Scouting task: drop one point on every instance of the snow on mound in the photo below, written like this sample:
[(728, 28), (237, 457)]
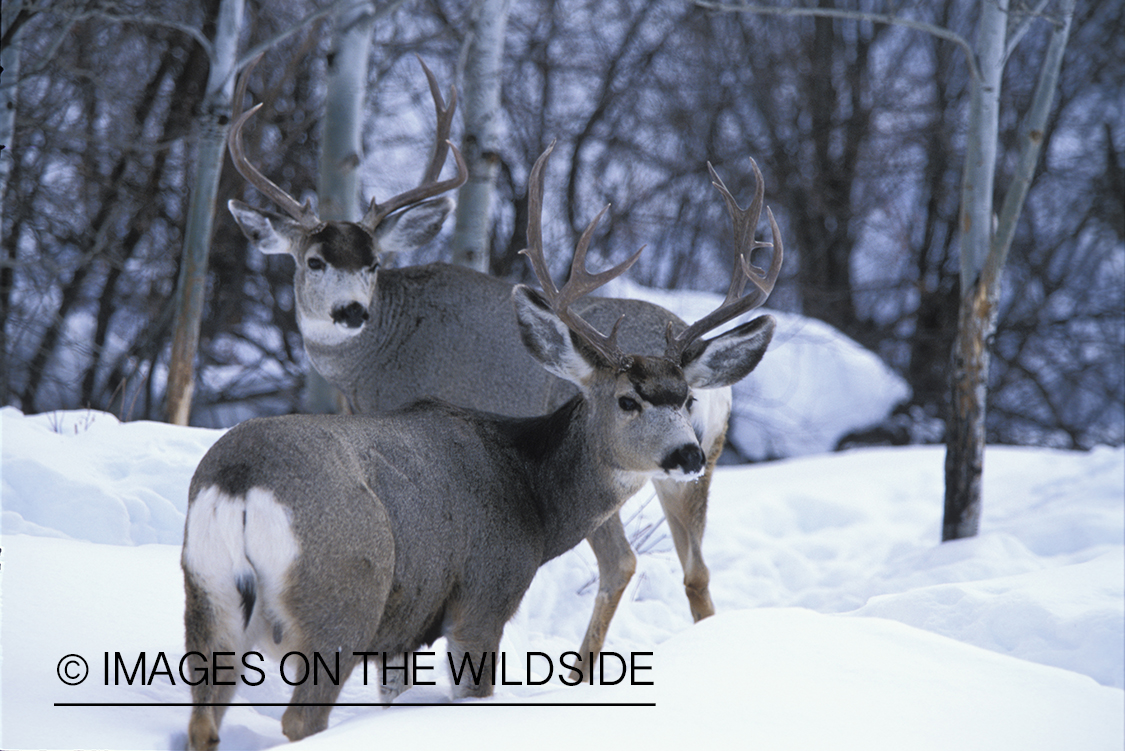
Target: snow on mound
[(85, 475)]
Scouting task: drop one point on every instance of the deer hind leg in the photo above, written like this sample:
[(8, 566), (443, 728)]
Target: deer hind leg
[(313, 699), (222, 607), (616, 565), (331, 625), (335, 603), (210, 627)]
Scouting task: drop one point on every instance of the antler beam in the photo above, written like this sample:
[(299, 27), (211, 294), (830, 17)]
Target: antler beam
[(429, 186), (377, 212), (303, 213), (581, 281), (735, 304)]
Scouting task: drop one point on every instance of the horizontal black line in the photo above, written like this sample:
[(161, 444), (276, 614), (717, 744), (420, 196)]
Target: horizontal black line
[(352, 704)]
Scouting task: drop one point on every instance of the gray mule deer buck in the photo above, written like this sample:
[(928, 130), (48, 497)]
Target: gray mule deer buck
[(386, 337), (332, 535)]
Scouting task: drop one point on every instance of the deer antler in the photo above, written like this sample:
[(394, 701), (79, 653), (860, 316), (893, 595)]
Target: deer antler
[(377, 212), (745, 222), (429, 186), (581, 281), (303, 213)]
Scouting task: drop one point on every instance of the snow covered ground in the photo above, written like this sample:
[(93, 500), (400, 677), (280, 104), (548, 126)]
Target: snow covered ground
[(842, 622)]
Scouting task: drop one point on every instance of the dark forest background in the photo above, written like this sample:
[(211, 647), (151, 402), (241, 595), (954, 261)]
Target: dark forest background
[(858, 129)]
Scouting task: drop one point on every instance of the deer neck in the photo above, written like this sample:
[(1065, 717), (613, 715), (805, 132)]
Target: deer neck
[(574, 488), (361, 366)]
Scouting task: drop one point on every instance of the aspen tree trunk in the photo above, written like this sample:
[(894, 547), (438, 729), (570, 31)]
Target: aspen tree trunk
[(985, 242), (964, 457), (984, 250), (211, 130), (481, 112), (341, 148)]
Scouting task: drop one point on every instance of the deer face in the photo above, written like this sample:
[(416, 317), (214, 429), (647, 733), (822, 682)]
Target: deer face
[(641, 408), (337, 263), (652, 430), (335, 279)]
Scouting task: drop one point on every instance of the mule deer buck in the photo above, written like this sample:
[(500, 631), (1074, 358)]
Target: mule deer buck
[(338, 534), (387, 336)]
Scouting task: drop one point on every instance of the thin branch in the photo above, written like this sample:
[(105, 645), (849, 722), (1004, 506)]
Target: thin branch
[(1032, 142), (340, 6), (854, 15), (1022, 28)]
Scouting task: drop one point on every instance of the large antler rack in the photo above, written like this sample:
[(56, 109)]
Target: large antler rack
[(735, 304), (581, 281), (377, 212)]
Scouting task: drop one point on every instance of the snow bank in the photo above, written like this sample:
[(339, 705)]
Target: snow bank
[(842, 621)]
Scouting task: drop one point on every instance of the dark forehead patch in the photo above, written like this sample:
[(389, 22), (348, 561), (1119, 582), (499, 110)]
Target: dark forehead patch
[(658, 381), (345, 246)]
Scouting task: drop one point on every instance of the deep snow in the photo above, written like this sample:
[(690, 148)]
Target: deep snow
[(842, 623)]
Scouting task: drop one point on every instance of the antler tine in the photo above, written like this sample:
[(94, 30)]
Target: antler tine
[(444, 123), (581, 281), (303, 213), (428, 188), (735, 304), (534, 249)]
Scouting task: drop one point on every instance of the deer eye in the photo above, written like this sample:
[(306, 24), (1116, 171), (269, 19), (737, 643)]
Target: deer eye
[(316, 264), (690, 402), (629, 404)]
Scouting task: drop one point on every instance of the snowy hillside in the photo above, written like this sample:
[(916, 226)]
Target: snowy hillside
[(842, 622)]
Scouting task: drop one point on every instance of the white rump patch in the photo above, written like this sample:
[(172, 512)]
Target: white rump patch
[(231, 537)]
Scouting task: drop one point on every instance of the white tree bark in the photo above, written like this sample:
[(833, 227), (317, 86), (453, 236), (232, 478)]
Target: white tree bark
[(984, 249), (481, 144), (211, 130), (341, 148)]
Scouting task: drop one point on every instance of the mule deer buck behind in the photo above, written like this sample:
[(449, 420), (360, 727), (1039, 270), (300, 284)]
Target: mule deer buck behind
[(387, 336), (334, 534)]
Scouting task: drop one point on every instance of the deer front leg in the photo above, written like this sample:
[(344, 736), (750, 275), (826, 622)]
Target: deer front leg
[(472, 660), (685, 508), (616, 564)]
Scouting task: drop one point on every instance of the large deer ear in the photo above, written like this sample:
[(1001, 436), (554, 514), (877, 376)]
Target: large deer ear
[(547, 338), (268, 232), (413, 227), (729, 357)]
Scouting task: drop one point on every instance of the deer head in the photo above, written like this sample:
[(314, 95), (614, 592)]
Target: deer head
[(337, 261), (645, 400)]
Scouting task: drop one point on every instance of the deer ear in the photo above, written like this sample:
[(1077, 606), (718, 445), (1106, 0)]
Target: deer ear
[(413, 227), (729, 357), (266, 231), (547, 338)]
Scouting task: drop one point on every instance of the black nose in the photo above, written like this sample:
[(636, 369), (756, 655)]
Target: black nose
[(688, 457), (351, 315)]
